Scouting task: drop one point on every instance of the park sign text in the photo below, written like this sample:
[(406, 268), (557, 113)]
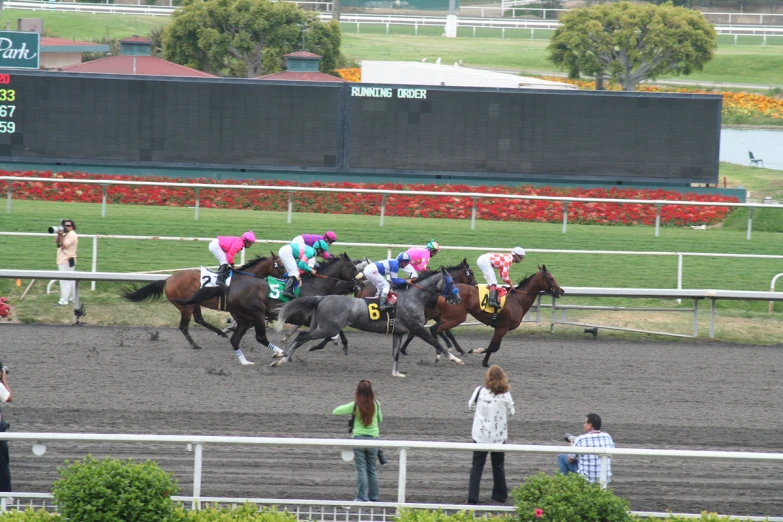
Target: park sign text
[(20, 50)]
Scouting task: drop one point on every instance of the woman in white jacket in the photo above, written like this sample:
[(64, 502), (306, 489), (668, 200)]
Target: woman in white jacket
[(493, 406)]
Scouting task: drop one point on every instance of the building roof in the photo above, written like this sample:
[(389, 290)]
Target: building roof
[(135, 65), (301, 77), (135, 38), (302, 54), (62, 45)]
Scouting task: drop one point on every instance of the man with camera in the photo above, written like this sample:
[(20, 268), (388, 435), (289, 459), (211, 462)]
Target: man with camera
[(589, 466), (5, 396), (66, 241)]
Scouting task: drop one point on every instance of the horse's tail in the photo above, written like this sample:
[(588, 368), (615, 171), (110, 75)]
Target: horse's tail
[(150, 292), (202, 295), (301, 308)]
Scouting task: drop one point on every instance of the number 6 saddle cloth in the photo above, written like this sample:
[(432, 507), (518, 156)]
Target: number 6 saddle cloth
[(374, 313), (484, 298)]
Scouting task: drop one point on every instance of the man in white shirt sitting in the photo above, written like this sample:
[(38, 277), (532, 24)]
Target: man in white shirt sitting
[(589, 466)]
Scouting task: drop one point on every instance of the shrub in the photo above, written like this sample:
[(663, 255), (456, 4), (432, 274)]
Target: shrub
[(422, 515), (567, 498), (114, 490), (247, 512), (29, 515)]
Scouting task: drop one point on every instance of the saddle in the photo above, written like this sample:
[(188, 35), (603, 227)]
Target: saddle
[(276, 287), (484, 299), (208, 277)]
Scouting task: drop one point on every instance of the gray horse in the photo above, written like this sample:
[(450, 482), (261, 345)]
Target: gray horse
[(330, 314)]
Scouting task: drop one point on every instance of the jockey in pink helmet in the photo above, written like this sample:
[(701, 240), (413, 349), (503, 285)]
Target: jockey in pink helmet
[(420, 257), (224, 248), (310, 239)]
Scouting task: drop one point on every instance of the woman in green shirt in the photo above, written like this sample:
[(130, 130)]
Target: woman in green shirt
[(367, 416)]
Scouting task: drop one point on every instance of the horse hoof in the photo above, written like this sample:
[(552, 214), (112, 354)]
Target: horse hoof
[(398, 374), (196, 347), (247, 363), (459, 362), (470, 351), (278, 363), (480, 350), (485, 364)]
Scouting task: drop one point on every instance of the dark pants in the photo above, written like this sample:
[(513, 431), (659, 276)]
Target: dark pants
[(5, 468), (499, 490)]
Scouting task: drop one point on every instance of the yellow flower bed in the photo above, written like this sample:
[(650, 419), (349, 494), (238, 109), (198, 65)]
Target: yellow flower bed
[(734, 103)]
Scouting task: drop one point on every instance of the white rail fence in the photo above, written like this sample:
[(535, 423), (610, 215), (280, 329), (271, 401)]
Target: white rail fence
[(383, 510), (384, 194), (571, 291)]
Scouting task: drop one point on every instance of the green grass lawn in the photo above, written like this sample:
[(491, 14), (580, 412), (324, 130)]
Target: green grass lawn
[(85, 26)]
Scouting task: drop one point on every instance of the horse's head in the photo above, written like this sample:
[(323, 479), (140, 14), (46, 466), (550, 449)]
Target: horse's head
[(449, 289), (552, 286), (462, 273)]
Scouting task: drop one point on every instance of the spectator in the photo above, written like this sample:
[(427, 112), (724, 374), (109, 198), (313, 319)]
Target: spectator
[(5, 469), (589, 466), (493, 406), (66, 241), (366, 415)]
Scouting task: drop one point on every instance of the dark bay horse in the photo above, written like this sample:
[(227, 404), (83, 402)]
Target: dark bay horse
[(461, 273), (518, 302), (330, 314), (248, 301), (185, 283)]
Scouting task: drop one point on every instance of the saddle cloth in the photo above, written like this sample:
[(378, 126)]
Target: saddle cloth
[(484, 298), (374, 313), (208, 277), (276, 287)]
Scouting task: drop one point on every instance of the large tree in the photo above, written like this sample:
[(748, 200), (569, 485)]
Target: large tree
[(631, 43), (246, 38)]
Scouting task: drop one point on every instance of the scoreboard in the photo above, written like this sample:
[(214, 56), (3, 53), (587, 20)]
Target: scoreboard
[(380, 130)]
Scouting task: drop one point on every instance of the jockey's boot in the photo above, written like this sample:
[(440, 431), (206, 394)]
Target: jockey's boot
[(288, 291), (385, 304), (222, 275), (494, 302)]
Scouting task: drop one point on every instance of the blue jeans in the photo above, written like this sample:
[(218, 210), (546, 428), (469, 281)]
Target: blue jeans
[(565, 467), (366, 472)]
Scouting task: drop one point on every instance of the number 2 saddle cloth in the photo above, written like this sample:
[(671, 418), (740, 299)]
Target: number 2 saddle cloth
[(484, 298), (208, 277)]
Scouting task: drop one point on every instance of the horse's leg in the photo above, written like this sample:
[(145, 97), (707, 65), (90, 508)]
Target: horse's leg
[(200, 320), (185, 313), (319, 346), (344, 340), (446, 339), (450, 335), (404, 349), (494, 344), (260, 326), (421, 331), (396, 342), (236, 338), (302, 338), (292, 332)]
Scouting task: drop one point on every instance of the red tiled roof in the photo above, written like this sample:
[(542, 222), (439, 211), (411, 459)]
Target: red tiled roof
[(302, 54), (301, 77), (144, 66), (136, 38), (49, 40)]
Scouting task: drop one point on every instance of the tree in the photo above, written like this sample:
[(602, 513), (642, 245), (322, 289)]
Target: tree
[(246, 38), (632, 43)]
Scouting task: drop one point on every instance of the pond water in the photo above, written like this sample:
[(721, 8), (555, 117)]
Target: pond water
[(766, 144)]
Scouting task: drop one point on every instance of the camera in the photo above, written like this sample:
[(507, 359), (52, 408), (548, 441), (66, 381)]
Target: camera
[(569, 438), (4, 367), (56, 229)]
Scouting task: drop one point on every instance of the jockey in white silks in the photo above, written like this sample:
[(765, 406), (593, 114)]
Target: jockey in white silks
[(376, 272)]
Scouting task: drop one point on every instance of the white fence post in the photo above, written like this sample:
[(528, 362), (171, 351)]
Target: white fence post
[(657, 220), (383, 207), (197, 202), (104, 188), (565, 216), (750, 222), (290, 206), (197, 476), (604, 473), (94, 259), (403, 475), (679, 275), (8, 205), (475, 200)]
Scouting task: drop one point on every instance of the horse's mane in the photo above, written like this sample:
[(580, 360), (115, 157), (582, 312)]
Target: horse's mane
[(335, 257), (455, 267), (253, 263), (427, 273), (527, 279)]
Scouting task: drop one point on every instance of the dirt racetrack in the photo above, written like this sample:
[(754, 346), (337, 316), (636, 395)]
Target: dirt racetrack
[(650, 395)]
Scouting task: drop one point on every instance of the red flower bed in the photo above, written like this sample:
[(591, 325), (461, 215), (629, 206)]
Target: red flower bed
[(396, 205)]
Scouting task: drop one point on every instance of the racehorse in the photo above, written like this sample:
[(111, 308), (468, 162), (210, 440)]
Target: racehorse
[(249, 303), (330, 314), (185, 283), (518, 302), (461, 273)]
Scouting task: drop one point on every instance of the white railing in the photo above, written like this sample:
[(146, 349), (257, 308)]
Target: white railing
[(196, 443), (391, 247), (384, 194)]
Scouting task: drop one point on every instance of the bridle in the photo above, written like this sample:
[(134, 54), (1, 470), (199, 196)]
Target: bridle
[(550, 281)]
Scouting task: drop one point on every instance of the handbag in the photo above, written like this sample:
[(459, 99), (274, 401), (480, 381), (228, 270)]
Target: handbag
[(381, 457)]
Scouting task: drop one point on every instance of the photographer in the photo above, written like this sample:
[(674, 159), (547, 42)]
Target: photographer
[(589, 466), (66, 241), (5, 396)]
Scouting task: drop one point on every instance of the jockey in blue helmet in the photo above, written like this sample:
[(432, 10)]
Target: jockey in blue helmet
[(376, 272)]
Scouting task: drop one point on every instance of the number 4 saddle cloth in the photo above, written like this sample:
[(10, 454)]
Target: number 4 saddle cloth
[(208, 277), (484, 298), (276, 287), (375, 314)]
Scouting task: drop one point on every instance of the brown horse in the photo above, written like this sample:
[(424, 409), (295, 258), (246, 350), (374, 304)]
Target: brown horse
[(185, 283), (518, 302)]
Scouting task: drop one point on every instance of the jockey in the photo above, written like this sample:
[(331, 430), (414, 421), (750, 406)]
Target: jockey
[(420, 257), (375, 272), (310, 239), (502, 262), (299, 257), (224, 248)]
